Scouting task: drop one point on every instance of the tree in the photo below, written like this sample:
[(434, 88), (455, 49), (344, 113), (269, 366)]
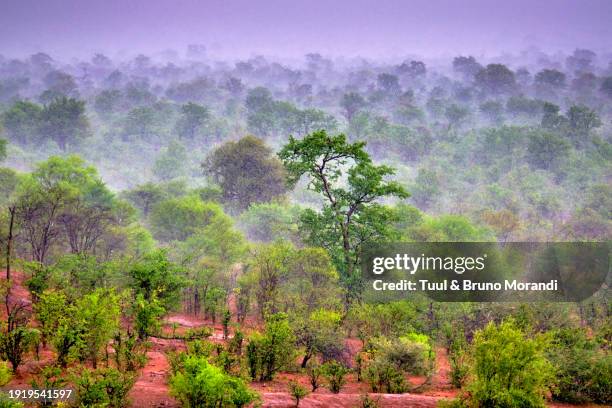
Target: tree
[(267, 222), (202, 385), (351, 216), (510, 369), (64, 121), (468, 67), (389, 84), (496, 79), (352, 102), (64, 196), (155, 277), (145, 196), (2, 150), (171, 163), (192, 121), (247, 172), (606, 87), (550, 80), (271, 351), (16, 338), (22, 122), (50, 308), (318, 333), (582, 120), (335, 374), (181, 217), (298, 392), (546, 150), (99, 313)]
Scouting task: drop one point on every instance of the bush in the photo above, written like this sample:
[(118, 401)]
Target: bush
[(390, 359), (202, 385), (105, 387), (510, 369), (297, 392), (335, 374), (460, 368), (314, 372), (385, 377), (6, 402), (582, 372), (5, 373), (274, 349)]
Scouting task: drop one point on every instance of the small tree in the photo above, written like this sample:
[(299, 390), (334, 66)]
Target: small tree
[(98, 313), (105, 387), (16, 338), (509, 368), (335, 374), (147, 315), (315, 372), (297, 391), (267, 353), (200, 384)]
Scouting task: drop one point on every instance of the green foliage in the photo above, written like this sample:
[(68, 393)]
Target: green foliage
[(203, 385), (6, 402), (314, 372), (349, 211), (2, 150), (335, 373), (147, 315), (318, 334), (98, 314), (583, 371), (247, 172), (390, 359), (268, 222), (50, 309), (104, 387), (5, 373), (64, 121), (510, 369), (297, 391), (16, 338), (272, 350), (181, 217), (64, 199), (145, 196), (156, 277), (171, 162)]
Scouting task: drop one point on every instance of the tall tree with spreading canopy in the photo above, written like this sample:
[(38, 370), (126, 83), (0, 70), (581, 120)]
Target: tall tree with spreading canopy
[(247, 172), (64, 121), (351, 216)]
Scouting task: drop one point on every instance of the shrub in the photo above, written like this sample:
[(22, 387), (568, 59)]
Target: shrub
[(335, 373), (368, 402), (459, 368), (582, 372), (102, 387), (5, 373), (385, 377), (203, 385), (6, 402), (510, 369), (315, 373), (390, 359), (297, 391), (274, 349)]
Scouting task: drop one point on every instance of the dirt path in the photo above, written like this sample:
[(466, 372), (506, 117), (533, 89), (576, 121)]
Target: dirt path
[(151, 387)]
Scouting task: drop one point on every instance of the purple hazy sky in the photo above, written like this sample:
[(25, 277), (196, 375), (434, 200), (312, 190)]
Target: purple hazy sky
[(238, 28)]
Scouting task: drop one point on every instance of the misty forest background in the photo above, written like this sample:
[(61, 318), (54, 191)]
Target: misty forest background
[(162, 185)]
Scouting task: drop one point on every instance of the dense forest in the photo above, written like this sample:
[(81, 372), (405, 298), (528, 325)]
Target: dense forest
[(182, 231)]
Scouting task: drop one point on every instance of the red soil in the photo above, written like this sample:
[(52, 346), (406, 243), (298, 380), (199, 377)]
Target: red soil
[(151, 387)]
